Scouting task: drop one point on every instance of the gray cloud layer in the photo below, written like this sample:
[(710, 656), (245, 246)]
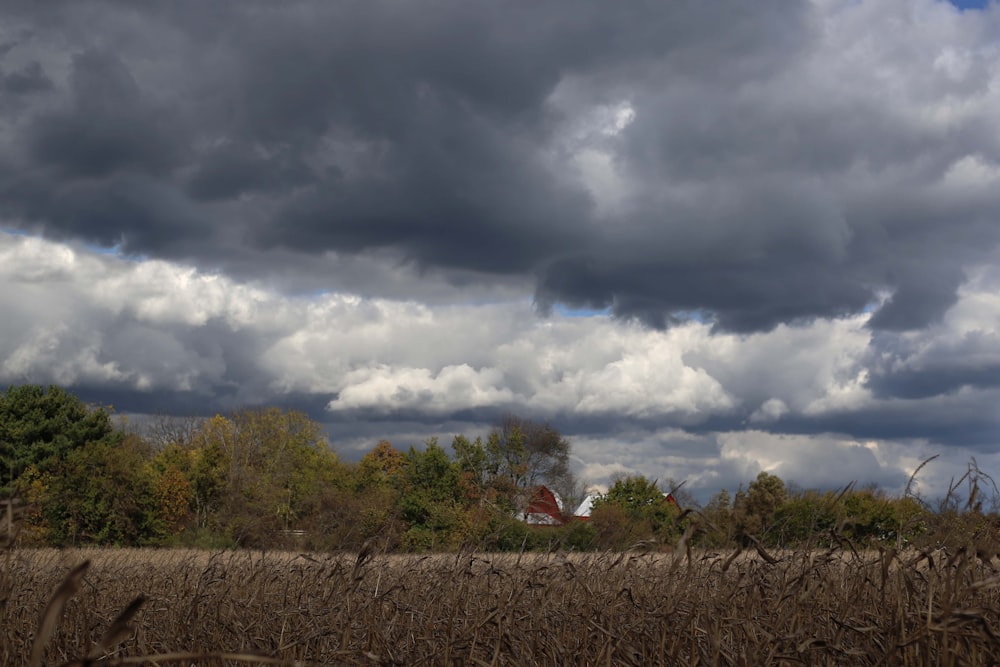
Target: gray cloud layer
[(349, 206), (792, 161), (687, 402)]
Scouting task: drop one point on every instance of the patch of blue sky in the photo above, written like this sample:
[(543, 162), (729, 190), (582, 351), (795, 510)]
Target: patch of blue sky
[(102, 250), (115, 251), (97, 249), (318, 294), (567, 311), (698, 315), (970, 4)]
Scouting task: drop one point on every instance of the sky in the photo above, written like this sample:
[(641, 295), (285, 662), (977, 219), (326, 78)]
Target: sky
[(704, 240)]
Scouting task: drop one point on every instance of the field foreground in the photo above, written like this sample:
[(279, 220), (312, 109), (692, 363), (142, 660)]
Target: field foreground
[(806, 607)]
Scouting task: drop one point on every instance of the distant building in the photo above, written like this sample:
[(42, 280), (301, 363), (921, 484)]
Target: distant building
[(583, 511), (544, 508)]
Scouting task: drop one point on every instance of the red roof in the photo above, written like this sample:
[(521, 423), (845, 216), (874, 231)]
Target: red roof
[(544, 508)]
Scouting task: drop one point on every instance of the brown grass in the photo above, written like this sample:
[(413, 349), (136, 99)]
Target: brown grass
[(807, 607)]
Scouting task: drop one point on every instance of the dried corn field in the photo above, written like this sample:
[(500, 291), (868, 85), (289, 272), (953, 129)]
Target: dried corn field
[(808, 607)]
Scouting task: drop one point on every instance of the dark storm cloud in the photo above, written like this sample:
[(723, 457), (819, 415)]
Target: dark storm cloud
[(133, 212), (938, 380), (944, 425), (769, 178), (915, 369), (737, 298), (107, 127), (98, 165), (28, 79)]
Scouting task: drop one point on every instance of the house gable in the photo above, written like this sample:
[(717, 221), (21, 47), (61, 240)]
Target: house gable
[(544, 508)]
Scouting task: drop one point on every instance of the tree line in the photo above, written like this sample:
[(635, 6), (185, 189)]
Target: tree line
[(267, 478)]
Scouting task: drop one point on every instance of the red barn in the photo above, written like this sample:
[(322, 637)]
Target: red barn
[(544, 508)]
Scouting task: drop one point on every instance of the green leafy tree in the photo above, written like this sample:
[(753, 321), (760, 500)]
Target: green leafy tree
[(804, 519), (432, 500), (634, 510), (755, 508), (40, 426), (257, 472), (362, 505), (431, 472), (471, 459), (528, 453), (870, 515), (208, 469), (719, 528), (518, 455), (382, 466), (104, 494)]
